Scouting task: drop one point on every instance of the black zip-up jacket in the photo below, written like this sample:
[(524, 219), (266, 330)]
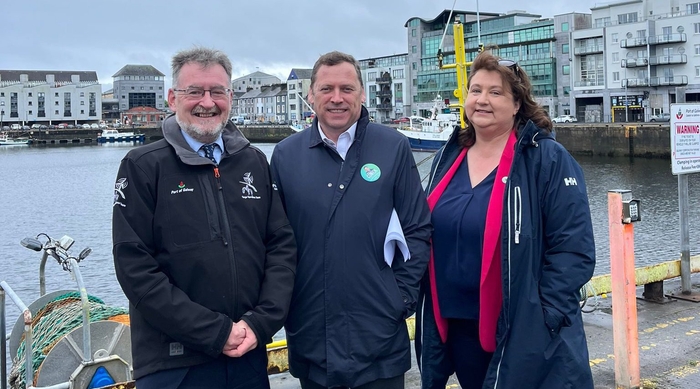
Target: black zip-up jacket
[(197, 247)]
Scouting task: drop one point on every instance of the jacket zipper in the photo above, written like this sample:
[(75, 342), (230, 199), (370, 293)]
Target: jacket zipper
[(225, 236), (512, 219), (518, 211)]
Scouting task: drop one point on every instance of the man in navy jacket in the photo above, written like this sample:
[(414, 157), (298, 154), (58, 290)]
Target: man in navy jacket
[(340, 180)]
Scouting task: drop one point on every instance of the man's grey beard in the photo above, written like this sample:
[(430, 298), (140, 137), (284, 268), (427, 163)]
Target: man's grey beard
[(197, 133)]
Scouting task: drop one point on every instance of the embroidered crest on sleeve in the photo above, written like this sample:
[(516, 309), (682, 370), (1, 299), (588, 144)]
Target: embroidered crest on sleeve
[(119, 196)]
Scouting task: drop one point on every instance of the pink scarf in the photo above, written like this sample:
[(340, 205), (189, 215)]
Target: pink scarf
[(490, 294)]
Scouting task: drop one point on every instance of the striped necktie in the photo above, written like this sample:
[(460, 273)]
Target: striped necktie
[(209, 151)]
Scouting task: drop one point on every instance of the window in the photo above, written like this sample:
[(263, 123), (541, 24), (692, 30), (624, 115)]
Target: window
[(414, 49), (29, 94), (697, 71), (56, 103), (82, 103), (565, 48), (641, 33), (565, 26), (616, 76), (151, 88), (602, 22), (414, 65), (291, 86), (616, 57), (55, 112), (293, 107), (56, 94), (693, 8), (82, 112), (30, 112), (567, 90), (697, 27), (614, 37), (82, 94), (413, 32), (566, 69), (697, 49), (29, 103), (627, 18), (371, 76), (397, 73)]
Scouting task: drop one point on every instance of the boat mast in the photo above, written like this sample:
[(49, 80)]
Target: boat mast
[(460, 65)]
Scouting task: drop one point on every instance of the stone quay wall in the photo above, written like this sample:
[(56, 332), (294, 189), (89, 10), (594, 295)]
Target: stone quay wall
[(646, 140)]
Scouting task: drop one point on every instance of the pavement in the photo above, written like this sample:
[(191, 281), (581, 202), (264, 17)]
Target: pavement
[(669, 343)]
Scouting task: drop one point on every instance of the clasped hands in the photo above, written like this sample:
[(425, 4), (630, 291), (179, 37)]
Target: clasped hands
[(240, 340)]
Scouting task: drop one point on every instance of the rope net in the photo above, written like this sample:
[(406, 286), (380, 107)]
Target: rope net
[(54, 321)]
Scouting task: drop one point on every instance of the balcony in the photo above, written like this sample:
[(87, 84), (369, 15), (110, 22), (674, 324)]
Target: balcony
[(384, 93), (588, 49), (636, 42), (667, 38), (668, 59), (589, 83), (383, 81), (669, 81), (384, 107), (634, 62), (634, 82)]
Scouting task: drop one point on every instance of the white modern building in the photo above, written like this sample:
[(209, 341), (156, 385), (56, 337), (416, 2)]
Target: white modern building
[(628, 66), (386, 87), (298, 84), (49, 97)]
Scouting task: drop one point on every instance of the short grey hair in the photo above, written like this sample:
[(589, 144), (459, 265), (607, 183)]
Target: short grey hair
[(203, 56), (335, 58)]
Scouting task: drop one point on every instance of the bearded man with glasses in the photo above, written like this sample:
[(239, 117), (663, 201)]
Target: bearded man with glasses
[(202, 247)]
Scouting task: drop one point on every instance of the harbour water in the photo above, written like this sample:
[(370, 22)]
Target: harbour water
[(68, 190)]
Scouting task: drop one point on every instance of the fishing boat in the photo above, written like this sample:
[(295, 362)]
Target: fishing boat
[(5, 140), (431, 133), (112, 135)]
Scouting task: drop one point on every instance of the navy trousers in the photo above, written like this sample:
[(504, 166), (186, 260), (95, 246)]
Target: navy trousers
[(246, 372), (461, 354)]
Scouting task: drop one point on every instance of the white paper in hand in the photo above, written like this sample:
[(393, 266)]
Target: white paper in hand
[(394, 238)]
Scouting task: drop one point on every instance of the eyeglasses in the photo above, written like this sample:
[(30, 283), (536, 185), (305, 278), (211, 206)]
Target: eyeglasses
[(510, 64), (193, 93)]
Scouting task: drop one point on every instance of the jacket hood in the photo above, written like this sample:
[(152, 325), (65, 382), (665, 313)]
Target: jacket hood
[(234, 141)]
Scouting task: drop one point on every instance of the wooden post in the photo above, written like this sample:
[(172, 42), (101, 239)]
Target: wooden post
[(625, 330)]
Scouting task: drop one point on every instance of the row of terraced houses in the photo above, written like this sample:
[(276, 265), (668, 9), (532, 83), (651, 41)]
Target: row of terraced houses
[(623, 61)]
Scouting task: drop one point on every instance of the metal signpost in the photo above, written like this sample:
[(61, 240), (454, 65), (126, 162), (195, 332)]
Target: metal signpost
[(685, 159)]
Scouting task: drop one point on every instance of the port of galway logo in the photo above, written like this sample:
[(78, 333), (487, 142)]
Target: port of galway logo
[(248, 190), (119, 192), (181, 188)]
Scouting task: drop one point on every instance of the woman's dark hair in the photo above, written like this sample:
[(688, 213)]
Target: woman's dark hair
[(515, 79)]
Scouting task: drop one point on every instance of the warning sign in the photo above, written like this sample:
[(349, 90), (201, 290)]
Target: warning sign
[(685, 138)]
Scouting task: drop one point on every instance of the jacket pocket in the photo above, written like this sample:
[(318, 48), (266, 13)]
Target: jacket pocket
[(191, 209)]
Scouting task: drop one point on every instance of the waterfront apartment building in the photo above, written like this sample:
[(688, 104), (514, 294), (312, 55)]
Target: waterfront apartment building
[(298, 84), (386, 86), (139, 86), (49, 97), (627, 66)]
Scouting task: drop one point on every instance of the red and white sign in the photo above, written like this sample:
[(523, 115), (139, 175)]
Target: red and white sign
[(685, 138)]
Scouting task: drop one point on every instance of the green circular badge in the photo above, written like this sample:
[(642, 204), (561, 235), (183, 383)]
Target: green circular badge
[(370, 172)]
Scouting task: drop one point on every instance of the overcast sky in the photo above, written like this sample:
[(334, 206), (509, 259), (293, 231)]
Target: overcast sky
[(271, 36)]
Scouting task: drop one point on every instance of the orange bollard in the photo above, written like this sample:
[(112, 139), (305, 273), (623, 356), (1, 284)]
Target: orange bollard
[(624, 297)]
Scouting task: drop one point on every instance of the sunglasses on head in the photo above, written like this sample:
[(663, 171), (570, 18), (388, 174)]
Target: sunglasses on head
[(510, 64)]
